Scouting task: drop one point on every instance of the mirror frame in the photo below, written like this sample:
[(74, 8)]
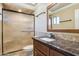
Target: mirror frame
[(58, 30)]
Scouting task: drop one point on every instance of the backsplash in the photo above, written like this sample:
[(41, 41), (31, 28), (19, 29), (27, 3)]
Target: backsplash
[(62, 35), (68, 36)]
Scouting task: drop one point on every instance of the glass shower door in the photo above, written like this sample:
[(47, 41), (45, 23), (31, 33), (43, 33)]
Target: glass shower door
[(18, 31)]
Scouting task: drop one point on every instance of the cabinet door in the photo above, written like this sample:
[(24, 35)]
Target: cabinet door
[(41, 47), (38, 53), (55, 53)]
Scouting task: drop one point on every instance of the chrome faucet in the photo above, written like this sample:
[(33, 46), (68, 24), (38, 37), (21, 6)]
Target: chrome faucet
[(51, 35)]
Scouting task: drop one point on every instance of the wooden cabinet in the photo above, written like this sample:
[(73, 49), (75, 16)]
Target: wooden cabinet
[(55, 53), (38, 53), (41, 49)]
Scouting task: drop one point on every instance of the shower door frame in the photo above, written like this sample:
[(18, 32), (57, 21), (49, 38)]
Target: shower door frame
[(2, 30)]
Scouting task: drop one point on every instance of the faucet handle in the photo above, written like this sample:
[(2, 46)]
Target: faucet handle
[(51, 35)]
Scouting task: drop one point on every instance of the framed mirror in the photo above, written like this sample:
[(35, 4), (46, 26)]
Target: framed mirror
[(63, 17)]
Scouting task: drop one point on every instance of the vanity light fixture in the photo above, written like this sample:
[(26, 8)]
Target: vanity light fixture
[(56, 20)]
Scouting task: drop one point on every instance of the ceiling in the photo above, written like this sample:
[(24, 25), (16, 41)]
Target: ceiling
[(32, 4), (23, 7), (58, 6)]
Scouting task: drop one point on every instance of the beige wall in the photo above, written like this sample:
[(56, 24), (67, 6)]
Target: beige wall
[(66, 14)]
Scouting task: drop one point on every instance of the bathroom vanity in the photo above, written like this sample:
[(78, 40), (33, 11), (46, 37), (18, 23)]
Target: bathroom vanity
[(41, 49), (59, 47)]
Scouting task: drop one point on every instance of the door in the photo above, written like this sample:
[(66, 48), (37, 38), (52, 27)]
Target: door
[(18, 31)]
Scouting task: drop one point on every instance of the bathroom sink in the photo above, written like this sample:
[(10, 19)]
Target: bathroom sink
[(47, 39)]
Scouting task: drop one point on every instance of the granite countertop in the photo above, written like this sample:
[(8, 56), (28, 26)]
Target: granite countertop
[(71, 47)]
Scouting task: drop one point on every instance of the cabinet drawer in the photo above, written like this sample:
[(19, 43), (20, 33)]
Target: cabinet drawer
[(38, 53), (55, 53), (41, 47)]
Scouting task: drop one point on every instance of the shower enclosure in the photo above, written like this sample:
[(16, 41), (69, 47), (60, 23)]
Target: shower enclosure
[(18, 30)]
